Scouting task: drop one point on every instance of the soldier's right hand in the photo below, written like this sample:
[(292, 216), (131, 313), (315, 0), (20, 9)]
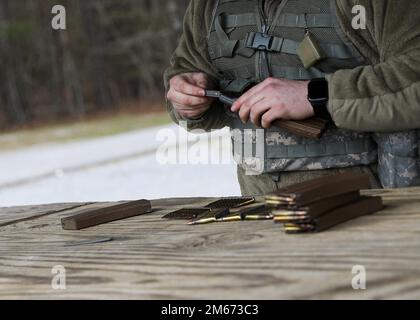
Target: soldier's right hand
[(187, 94)]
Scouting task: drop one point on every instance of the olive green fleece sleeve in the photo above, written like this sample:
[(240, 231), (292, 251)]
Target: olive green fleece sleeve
[(191, 55), (384, 96)]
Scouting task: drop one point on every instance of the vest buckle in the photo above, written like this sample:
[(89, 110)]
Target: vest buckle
[(258, 41)]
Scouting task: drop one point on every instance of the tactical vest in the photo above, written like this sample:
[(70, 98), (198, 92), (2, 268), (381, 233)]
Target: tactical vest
[(246, 47)]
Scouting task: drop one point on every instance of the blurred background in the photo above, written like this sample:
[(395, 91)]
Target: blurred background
[(80, 108)]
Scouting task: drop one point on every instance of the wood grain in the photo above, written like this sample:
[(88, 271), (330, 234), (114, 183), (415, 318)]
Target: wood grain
[(14, 215), (153, 258)]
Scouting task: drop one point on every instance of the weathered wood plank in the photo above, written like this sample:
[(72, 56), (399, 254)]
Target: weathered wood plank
[(14, 215), (152, 258)]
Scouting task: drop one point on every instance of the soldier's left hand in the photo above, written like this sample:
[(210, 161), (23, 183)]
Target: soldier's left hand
[(274, 99)]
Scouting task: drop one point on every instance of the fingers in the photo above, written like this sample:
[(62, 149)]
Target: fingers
[(269, 117), (187, 94), (253, 91), (248, 105), (186, 100), (238, 103), (188, 89), (274, 99), (182, 85), (257, 111), (201, 80)]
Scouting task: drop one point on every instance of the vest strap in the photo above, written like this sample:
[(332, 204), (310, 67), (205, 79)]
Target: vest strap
[(321, 20), (296, 73), (289, 20), (260, 41)]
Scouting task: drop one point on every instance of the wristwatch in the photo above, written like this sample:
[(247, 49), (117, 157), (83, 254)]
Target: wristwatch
[(318, 96)]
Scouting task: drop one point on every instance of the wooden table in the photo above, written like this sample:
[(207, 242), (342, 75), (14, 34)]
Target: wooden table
[(152, 258)]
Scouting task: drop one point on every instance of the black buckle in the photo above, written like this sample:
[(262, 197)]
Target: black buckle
[(258, 41)]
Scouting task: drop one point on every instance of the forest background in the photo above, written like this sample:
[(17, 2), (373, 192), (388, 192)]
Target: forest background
[(110, 58)]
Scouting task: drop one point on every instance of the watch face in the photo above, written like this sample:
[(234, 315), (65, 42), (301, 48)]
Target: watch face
[(318, 90)]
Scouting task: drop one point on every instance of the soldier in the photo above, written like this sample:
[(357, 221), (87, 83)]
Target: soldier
[(301, 58)]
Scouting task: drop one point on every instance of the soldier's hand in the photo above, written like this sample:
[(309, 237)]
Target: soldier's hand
[(187, 95), (274, 99)]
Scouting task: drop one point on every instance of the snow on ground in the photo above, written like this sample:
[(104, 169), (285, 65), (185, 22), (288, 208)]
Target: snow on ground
[(120, 167)]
